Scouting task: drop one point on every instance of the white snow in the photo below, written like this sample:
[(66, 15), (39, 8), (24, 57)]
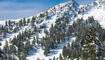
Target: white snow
[(11, 36), (2, 22), (38, 52), (98, 13)]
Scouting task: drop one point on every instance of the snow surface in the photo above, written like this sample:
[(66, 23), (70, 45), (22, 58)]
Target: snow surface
[(54, 13), (38, 52), (11, 36), (98, 12), (2, 22)]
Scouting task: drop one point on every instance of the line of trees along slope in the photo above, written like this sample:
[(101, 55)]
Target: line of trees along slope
[(89, 43)]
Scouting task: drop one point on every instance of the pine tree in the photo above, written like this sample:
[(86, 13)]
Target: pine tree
[(90, 49), (9, 23), (20, 23), (24, 21), (6, 23), (64, 52), (60, 57), (28, 21), (34, 41), (54, 58), (46, 50), (7, 50), (22, 56)]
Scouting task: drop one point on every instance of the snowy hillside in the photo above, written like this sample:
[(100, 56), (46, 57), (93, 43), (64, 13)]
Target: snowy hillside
[(95, 9), (65, 31)]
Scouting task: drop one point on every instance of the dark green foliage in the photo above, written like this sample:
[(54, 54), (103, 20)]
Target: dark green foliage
[(60, 57), (56, 35), (42, 15), (20, 44), (24, 21), (65, 52), (6, 23), (54, 58), (89, 41), (20, 23), (28, 21)]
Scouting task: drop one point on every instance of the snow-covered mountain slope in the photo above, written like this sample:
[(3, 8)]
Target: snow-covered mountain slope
[(47, 18), (95, 9), (36, 26), (55, 52), (55, 13)]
